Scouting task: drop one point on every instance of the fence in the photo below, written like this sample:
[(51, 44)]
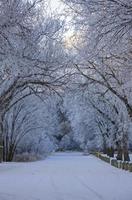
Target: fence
[(114, 162)]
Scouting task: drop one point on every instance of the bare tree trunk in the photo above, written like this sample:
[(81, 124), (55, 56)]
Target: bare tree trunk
[(125, 148), (10, 154), (4, 149), (110, 151), (1, 140), (119, 150), (126, 154), (104, 150), (1, 150), (104, 147)]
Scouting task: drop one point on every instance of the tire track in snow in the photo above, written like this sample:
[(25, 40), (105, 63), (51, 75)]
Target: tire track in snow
[(7, 196), (66, 195), (99, 196), (55, 188)]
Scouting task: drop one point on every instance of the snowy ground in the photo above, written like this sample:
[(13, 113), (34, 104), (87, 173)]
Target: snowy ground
[(64, 176)]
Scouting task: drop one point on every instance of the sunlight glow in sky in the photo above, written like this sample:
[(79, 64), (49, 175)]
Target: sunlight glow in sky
[(58, 6)]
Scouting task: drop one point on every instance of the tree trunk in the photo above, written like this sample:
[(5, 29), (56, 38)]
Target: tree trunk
[(104, 147), (125, 148), (10, 153), (119, 150), (1, 150), (1, 140), (111, 152), (126, 155)]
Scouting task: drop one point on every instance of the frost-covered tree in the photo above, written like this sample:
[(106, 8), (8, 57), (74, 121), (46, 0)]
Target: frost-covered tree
[(18, 123), (31, 58), (82, 118), (104, 57), (113, 123)]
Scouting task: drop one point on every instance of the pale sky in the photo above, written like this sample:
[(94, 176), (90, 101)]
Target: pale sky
[(56, 5)]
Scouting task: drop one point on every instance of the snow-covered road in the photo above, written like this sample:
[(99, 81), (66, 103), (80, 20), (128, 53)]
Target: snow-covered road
[(64, 176)]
